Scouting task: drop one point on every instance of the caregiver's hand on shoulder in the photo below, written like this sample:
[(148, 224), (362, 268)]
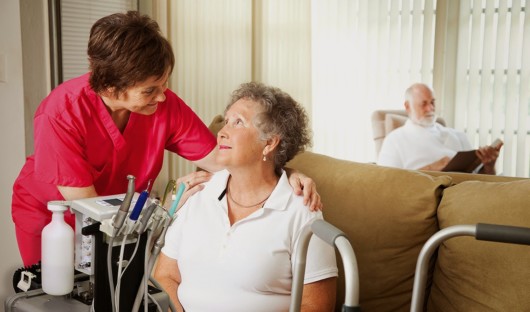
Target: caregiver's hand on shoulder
[(193, 183), (304, 185)]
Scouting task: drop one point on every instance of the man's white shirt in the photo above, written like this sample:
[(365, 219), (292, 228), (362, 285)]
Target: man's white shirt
[(413, 146)]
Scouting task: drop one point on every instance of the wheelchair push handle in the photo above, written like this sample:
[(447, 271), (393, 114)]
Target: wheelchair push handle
[(503, 234), (336, 238), (480, 231), (326, 231)]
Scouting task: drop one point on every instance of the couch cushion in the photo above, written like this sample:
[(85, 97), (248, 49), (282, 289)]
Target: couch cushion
[(387, 213), (473, 275)]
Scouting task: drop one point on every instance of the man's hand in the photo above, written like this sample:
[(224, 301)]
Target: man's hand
[(437, 165), (488, 156), (303, 184)]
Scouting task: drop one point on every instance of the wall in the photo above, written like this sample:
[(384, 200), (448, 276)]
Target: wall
[(12, 138), (35, 59)]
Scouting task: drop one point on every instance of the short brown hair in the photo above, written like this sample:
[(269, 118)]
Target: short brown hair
[(281, 115), (127, 48)]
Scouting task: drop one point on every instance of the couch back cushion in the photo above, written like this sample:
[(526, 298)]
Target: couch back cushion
[(473, 275), (387, 214)]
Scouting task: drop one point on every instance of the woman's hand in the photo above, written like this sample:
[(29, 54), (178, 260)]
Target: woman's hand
[(193, 183), (303, 184)]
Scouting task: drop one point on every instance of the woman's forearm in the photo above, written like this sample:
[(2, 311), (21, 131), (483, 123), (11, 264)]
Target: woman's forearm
[(170, 287), (167, 274), (319, 296)]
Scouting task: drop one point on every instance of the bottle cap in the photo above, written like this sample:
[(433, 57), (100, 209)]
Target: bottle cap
[(57, 205)]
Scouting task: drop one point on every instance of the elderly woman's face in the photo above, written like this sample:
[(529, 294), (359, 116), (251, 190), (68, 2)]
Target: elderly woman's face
[(143, 97), (238, 141)]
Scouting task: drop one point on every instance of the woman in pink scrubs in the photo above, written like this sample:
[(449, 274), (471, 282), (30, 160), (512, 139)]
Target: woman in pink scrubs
[(94, 130)]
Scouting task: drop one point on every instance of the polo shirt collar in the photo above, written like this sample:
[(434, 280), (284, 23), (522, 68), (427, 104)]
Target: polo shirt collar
[(278, 199)]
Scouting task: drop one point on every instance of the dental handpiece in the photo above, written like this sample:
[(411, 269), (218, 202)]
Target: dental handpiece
[(125, 205), (169, 188), (146, 216), (180, 191), (140, 203)]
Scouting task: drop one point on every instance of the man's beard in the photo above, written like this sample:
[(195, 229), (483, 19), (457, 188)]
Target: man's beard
[(425, 121)]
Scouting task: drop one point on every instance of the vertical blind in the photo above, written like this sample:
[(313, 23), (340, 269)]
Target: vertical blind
[(77, 17), (282, 47), (212, 42), (343, 59), (209, 38), (493, 79), (365, 54), (220, 44)]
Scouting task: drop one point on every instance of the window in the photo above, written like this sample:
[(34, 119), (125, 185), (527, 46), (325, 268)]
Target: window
[(362, 55), (365, 54), (76, 18), (493, 79), (473, 52)]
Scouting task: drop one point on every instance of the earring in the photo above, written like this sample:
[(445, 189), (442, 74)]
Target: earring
[(264, 157)]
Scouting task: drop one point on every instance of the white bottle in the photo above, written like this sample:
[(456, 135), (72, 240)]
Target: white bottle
[(57, 264)]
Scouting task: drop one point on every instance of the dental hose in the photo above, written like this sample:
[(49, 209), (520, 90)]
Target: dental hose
[(159, 244), (170, 186), (117, 224)]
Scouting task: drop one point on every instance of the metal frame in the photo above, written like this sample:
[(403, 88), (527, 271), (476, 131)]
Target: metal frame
[(335, 238)]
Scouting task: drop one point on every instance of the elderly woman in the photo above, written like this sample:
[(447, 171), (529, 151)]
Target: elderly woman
[(231, 246), (118, 119)]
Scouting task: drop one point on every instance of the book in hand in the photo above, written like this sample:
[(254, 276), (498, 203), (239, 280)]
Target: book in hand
[(467, 161)]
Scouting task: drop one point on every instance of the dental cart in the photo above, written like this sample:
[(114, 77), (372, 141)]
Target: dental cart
[(91, 249)]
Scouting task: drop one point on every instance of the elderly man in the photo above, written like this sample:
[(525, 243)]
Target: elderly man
[(424, 144)]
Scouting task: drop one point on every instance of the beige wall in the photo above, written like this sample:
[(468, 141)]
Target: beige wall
[(12, 139), (35, 59)]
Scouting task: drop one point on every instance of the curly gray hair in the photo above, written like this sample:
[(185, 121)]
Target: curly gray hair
[(281, 116)]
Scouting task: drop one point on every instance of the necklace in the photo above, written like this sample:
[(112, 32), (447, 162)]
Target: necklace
[(245, 206)]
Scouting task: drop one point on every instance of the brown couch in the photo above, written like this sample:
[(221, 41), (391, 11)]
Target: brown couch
[(388, 214)]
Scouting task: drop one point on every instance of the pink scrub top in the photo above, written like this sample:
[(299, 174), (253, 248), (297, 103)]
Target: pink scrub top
[(77, 144)]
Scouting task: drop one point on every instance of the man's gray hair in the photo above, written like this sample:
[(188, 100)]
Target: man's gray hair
[(409, 93)]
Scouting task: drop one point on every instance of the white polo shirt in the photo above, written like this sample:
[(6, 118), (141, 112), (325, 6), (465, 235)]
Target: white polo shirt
[(247, 266), (412, 146)]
